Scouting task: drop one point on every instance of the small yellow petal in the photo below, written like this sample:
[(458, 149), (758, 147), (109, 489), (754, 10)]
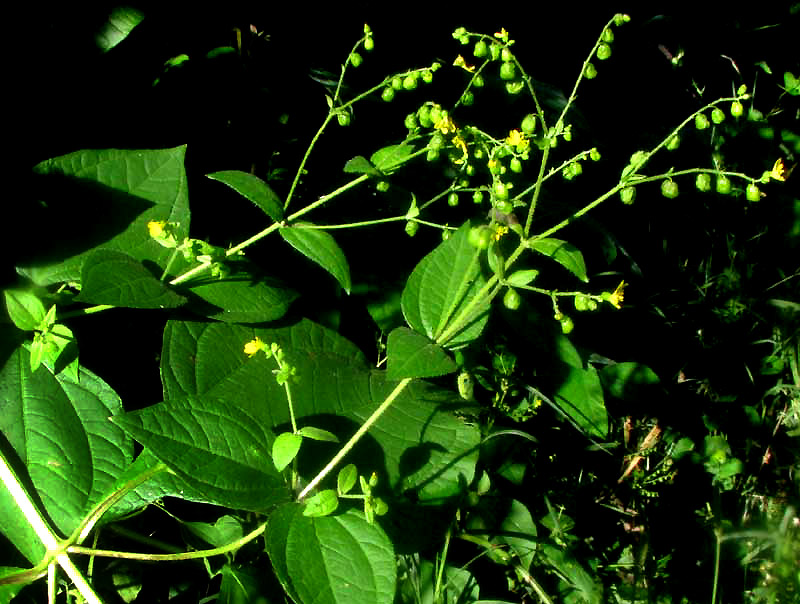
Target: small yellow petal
[(156, 228), (618, 296), (778, 170), (460, 62), (253, 346)]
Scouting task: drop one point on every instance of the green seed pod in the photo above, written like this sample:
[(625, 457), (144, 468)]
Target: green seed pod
[(481, 49), (566, 324), (737, 109), (594, 154), (477, 197), (628, 195), (343, 118), (603, 51), (512, 299), (369, 44), (506, 54), (590, 72), (723, 184), (467, 99), (477, 81), (701, 122), (529, 124), (669, 189), (674, 142), (432, 155), (427, 76), (753, 193), (515, 165), (452, 199), (410, 81), (608, 35), (508, 70), (411, 121), (411, 228), (703, 182), (387, 94), (717, 115), (382, 186)]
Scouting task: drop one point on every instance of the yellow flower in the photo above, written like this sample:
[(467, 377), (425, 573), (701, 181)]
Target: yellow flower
[(461, 144), (618, 296), (445, 124), (460, 62), (156, 228), (499, 231), (502, 34), (253, 346), (517, 139), (778, 171)]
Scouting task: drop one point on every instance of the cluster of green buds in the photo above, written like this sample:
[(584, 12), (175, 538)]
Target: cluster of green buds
[(408, 81), (193, 250), (285, 371), (346, 480), (602, 51), (489, 48)]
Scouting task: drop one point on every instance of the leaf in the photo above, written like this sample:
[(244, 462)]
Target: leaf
[(318, 434), (8, 592), (241, 585), (566, 254), (242, 298), (391, 157), (59, 430), (25, 309), (225, 530), (214, 446), (580, 396), (346, 479), (337, 559), (119, 25), (413, 355), (320, 247), (105, 199), (360, 165), (253, 188), (285, 449), (791, 83), (323, 503), (425, 447), (458, 585), (441, 286), (520, 278), (629, 381), (115, 278)]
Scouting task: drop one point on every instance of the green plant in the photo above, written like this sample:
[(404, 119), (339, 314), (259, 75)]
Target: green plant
[(275, 418)]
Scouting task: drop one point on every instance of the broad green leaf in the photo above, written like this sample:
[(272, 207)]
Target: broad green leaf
[(629, 381), (121, 21), (241, 298), (7, 592), (317, 434), (225, 530), (213, 445), (360, 165), (59, 430), (566, 254), (320, 247), (791, 83), (105, 199), (25, 309), (337, 559), (426, 448), (442, 285), (391, 157), (411, 354), (241, 585), (323, 503), (506, 523), (115, 278), (580, 396), (162, 484), (346, 479), (285, 449), (523, 277), (253, 188), (580, 584)]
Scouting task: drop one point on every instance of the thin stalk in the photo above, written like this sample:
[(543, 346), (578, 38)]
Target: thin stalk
[(207, 553), (356, 437)]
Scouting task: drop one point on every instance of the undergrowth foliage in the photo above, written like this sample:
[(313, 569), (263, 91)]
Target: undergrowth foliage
[(490, 452)]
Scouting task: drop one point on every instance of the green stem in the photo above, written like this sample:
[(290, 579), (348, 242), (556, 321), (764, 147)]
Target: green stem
[(301, 167), (80, 312), (716, 566), (207, 553), (362, 430)]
